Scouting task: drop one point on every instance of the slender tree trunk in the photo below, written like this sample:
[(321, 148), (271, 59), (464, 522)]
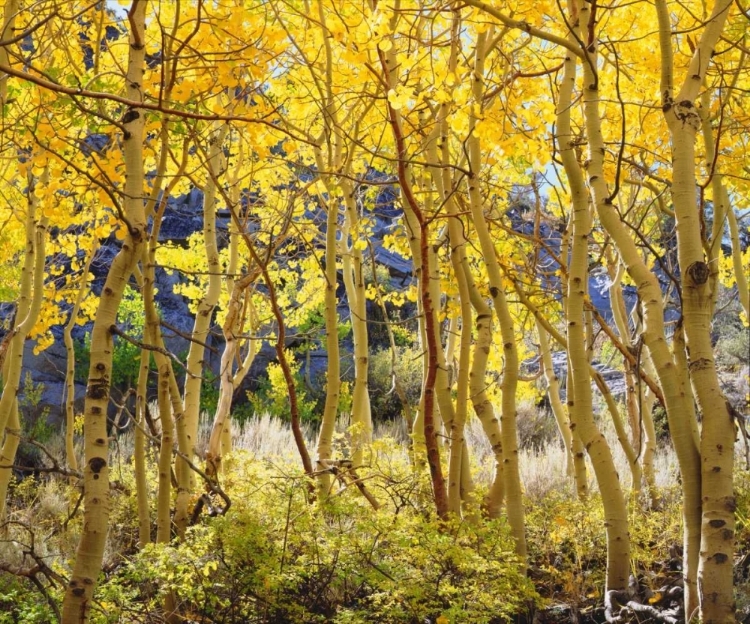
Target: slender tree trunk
[(195, 362), (140, 445), (553, 391), (28, 306), (633, 395), (70, 362), (8, 452), (581, 414), (31, 296), (437, 150), (333, 371), (740, 272), (511, 474), (717, 439), (220, 441), (10, 364), (389, 67), (232, 328), (79, 594), (153, 331), (355, 287), (164, 496)]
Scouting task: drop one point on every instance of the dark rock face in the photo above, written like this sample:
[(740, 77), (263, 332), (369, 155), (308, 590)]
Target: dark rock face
[(46, 373), (614, 378), (182, 218)]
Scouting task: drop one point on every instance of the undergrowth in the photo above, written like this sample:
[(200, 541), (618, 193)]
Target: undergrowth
[(277, 557)]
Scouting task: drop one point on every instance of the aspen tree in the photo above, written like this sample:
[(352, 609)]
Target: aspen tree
[(638, 408), (458, 450), (195, 362), (239, 311), (553, 391), (579, 451), (142, 493), (236, 317), (420, 232), (153, 340), (355, 286), (581, 414), (333, 382), (79, 593), (580, 470), (70, 360), (740, 271), (511, 475), (445, 407), (248, 319), (717, 434), (438, 155), (653, 334), (334, 153), (11, 363), (28, 307)]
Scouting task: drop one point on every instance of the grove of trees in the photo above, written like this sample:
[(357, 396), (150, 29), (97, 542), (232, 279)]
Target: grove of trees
[(617, 130)]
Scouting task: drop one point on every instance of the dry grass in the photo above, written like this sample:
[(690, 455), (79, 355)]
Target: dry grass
[(542, 466), (542, 469)]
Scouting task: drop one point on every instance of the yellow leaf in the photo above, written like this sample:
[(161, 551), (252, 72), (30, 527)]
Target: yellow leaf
[(655, 598)]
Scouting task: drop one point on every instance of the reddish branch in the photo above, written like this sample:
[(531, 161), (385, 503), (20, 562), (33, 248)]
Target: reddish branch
[(433, 450), (262, 265)]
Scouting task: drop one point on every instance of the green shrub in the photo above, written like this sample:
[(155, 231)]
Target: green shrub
[(20, 601), (386, 404), (277, 558), (34, 425), (126, 356), (537, 426), (272, 396)]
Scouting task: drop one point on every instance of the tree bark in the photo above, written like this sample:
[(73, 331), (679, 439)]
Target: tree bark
[(80, 590), (715, 585), (195, 362)]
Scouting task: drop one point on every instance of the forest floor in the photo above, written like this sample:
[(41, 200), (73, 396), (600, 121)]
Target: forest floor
[(269, 543)]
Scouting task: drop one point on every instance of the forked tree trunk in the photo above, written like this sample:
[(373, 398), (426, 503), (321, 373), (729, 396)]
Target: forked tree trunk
[(233, 326), (239, 315), (509, 436), (195, 360)]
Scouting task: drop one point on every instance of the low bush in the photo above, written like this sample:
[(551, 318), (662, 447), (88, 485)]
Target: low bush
[(385, 402), (277, 558)]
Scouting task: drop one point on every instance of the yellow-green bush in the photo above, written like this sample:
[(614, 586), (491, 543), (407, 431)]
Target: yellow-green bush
[(276, 557)]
